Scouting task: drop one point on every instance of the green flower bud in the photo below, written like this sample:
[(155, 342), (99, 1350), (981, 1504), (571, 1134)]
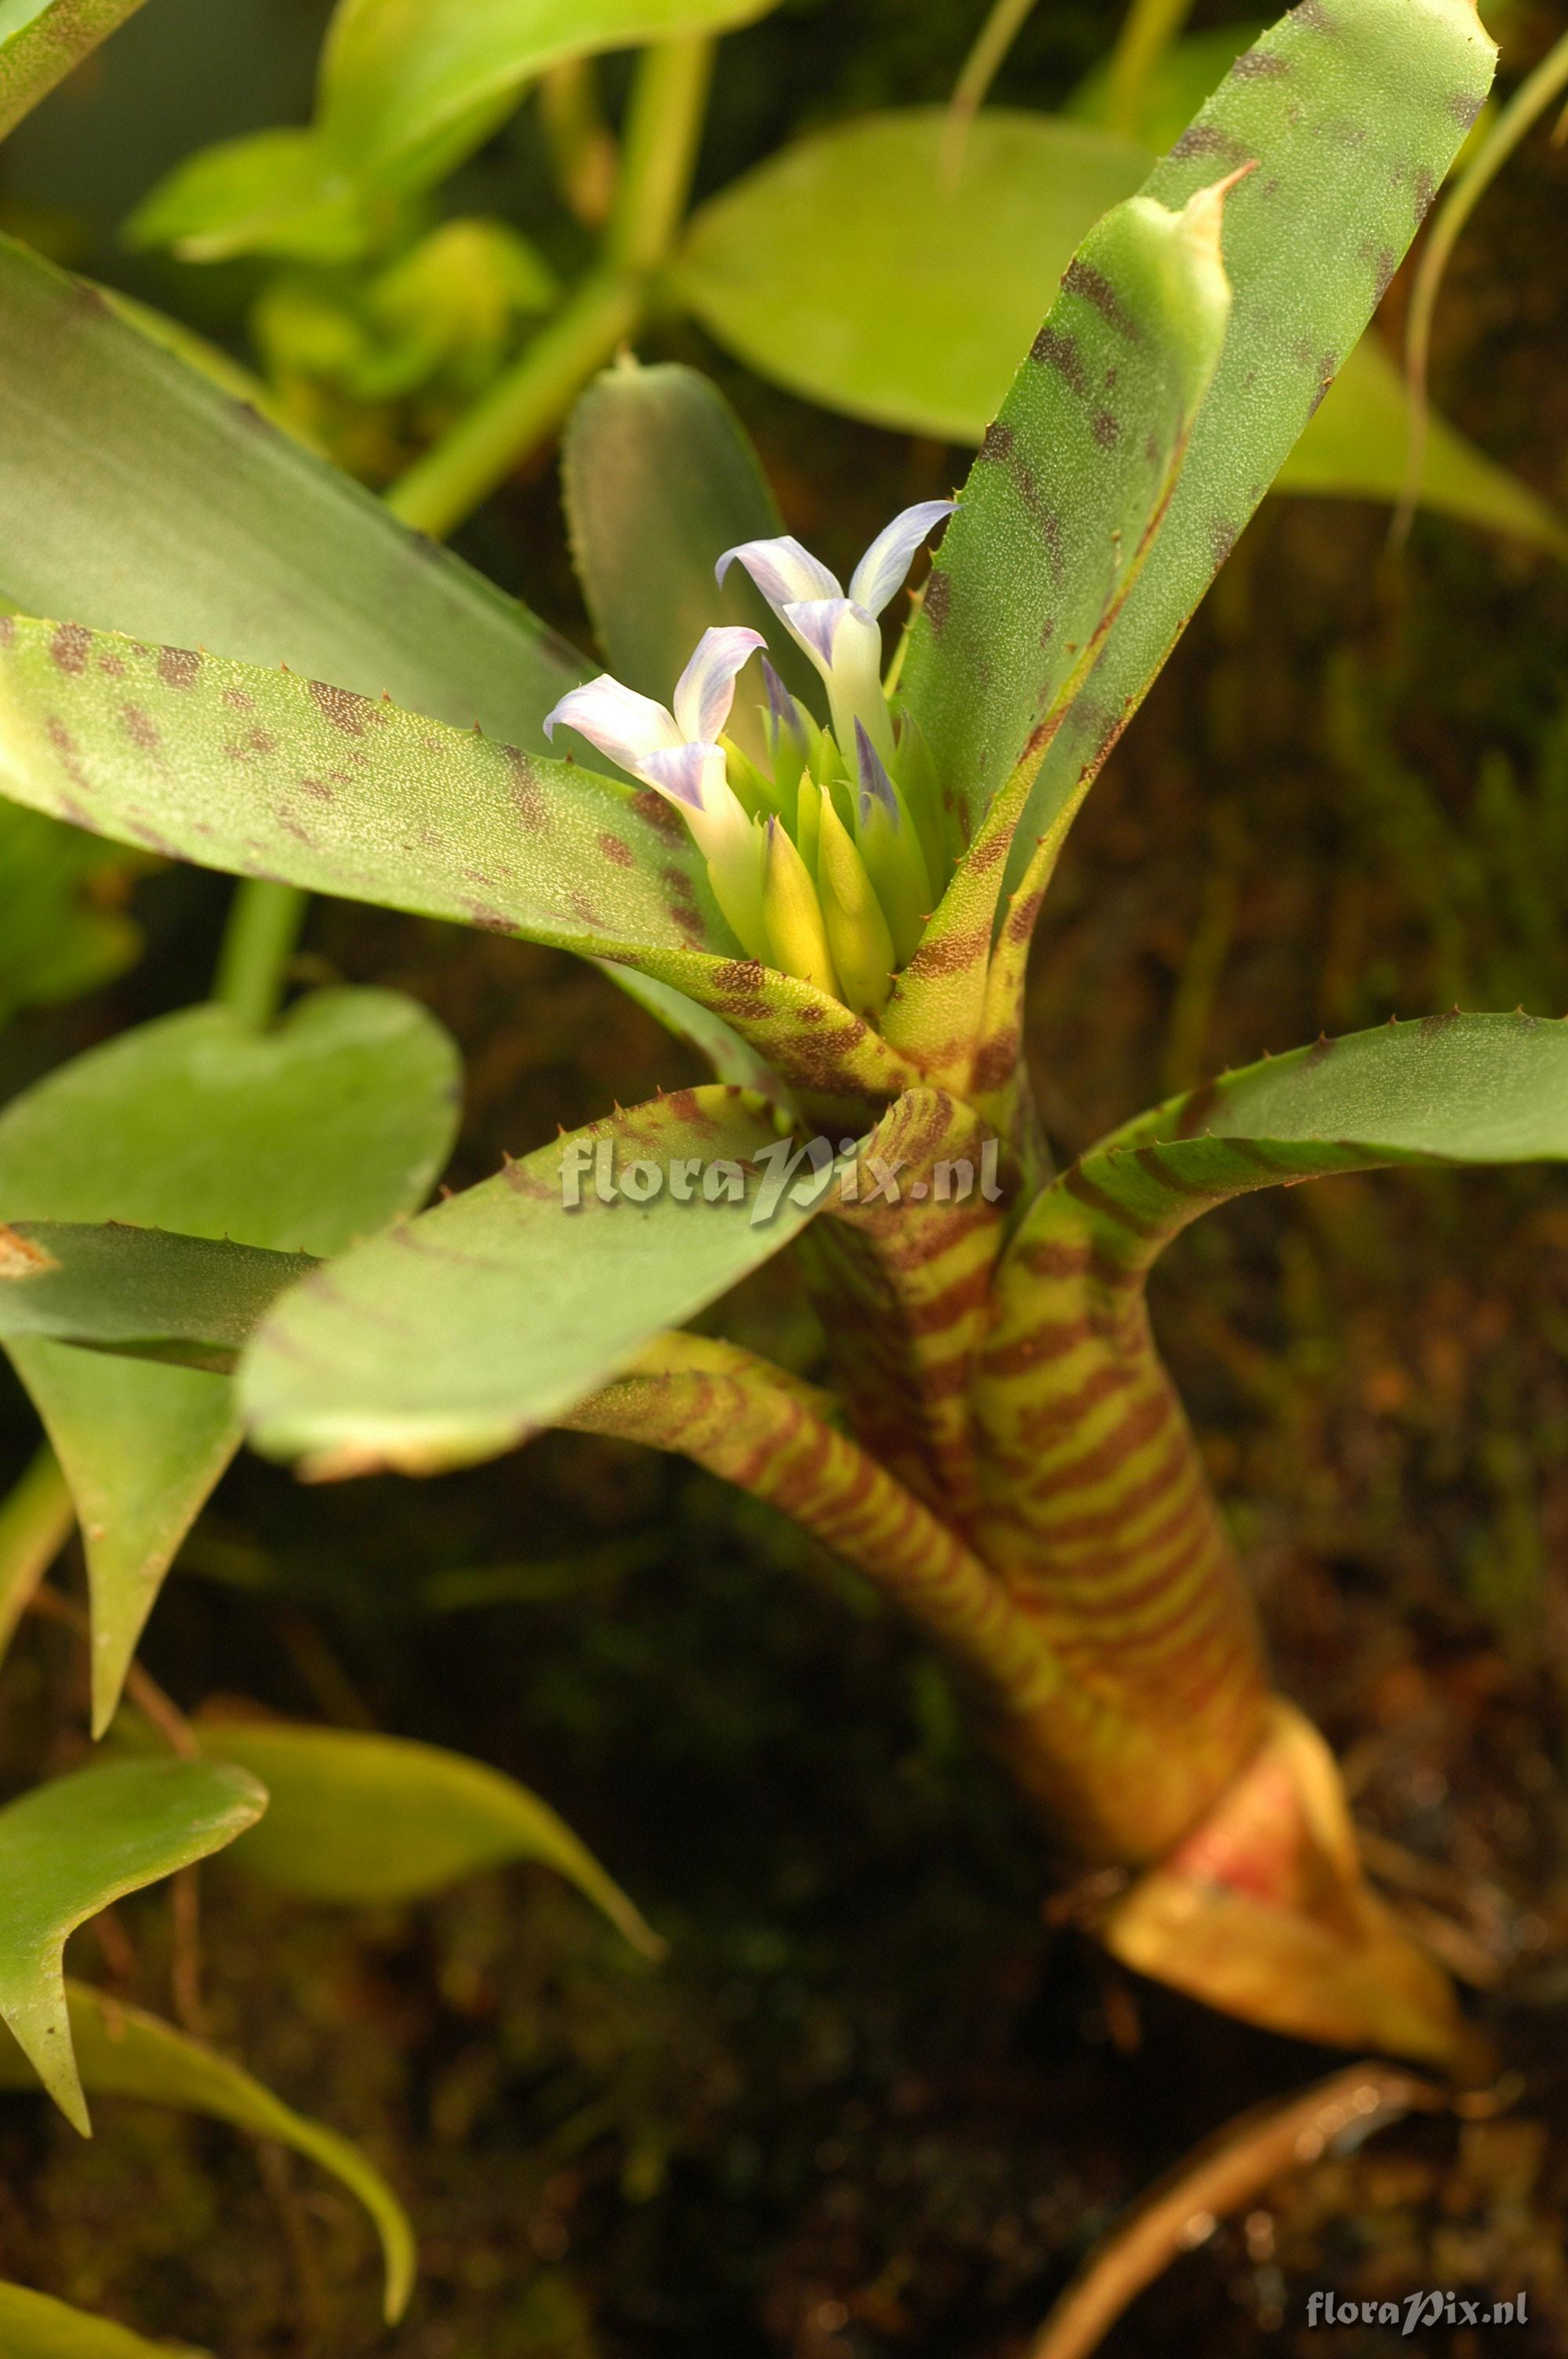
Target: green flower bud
[(857, 932), (797, 939)]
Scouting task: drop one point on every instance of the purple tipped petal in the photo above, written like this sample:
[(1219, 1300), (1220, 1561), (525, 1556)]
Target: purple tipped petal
[(706, 689), (876, 786), (885, 565), (781, 570), (818, 623), (781, 703), (691, 776), (623, 724)]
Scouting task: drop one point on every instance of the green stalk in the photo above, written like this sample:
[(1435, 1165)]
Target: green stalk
[(35, 1524), (1151, 26), (264, 919), (1523, 110), (663, 131)]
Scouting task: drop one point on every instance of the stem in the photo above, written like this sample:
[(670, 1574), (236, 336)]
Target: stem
[(35, 1524), (264, 919), (525, 404), (583, 155), (1150, 27), (1529, 102), (978, 70), (663, 131)]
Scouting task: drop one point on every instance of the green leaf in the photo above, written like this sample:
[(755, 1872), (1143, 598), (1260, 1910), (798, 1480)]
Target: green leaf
[(275, 775), (32, 2326), (660, 480), (808, 269), (804, 268), (1452, 1088), (1357, 445), (269, 192), (453, 1339), (300, 1140), (61, 931), (138, 497), (1387, 88), (1170, 93), (1063, 507), (126, 2053), (67, 1850), (365, 1819), (269, 773), (397, 74), (142, 1293), (42, 40)]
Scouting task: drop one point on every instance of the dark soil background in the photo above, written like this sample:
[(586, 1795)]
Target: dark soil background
[(876, 2106)]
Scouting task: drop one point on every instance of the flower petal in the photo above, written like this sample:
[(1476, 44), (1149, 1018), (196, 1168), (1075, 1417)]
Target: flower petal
[(706, 689), (626, 726), (692, 776), (885, 565), (827, 628), (781, 570), (876, 786)]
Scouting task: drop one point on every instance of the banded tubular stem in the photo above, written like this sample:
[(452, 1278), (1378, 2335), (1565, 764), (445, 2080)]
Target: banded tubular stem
[(1099, 1520), (902, 1283), (774, 1437)]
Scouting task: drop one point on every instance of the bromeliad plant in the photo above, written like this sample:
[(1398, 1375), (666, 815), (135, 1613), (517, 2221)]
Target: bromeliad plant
[(828, 881)]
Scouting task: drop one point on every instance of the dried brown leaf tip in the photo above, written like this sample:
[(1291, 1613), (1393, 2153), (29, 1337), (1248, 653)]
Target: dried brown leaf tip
[(19, 1257)]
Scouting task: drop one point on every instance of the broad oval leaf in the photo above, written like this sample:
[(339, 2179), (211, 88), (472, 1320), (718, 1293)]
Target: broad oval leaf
[(34, 2326), (111, 453), (848, 268), (268, 192), (397, 74), (125, 2052), (146, 1294), (806, 269), (362, 1820), (300, 1139), (659, 480), (456, 1337), (67, 1850), (42, 40)]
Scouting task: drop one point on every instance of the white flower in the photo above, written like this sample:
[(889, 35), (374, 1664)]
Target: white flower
[(838, 633), (677, 753)]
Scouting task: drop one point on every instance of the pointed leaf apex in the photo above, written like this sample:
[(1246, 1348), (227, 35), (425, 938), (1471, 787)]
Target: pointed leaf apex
[(1204, 213)]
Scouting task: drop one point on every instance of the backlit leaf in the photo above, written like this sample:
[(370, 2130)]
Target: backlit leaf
[(398, 73), (456, 1337), (67, 1850), (362, 1820), (33, 2326), (126, 2053), (268, 192), (300, 1139)]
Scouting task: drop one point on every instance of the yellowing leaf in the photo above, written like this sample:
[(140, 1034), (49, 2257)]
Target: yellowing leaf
[(126, 2053)]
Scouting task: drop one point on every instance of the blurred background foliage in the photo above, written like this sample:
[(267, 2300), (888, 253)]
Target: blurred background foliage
[(873, 2104)]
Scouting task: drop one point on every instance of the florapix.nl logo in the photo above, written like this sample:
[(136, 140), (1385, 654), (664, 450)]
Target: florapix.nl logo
[(806, 1175)]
